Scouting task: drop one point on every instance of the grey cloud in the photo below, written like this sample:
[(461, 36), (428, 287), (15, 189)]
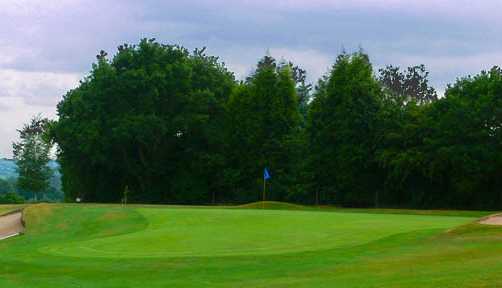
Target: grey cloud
[(35, 88), (67, 39), (58, 40)]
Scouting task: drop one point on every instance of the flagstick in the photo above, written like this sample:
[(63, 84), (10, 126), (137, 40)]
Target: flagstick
[(263, 196)]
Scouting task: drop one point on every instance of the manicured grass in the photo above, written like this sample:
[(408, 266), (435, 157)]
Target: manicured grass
[(165, 246), (273, 205)]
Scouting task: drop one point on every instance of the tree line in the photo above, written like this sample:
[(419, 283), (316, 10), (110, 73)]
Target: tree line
[(170, 125)]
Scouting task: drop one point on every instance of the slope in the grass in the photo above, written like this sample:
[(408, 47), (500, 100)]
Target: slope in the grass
[(273, 205)]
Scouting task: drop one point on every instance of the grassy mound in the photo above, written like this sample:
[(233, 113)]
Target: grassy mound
[(273, 205), (5, 209), (112, 246)]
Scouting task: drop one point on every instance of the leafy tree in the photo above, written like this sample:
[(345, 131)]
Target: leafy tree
[(148, 119), (446, 153), (400, 153), (31, 154), (409, 85), (402, 127), (466, 142), (303, 89)]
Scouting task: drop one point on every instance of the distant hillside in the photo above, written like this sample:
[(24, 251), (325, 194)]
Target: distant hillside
[(8, 171), (8, 168)]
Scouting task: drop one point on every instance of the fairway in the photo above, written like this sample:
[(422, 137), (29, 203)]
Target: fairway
[(112, 246)]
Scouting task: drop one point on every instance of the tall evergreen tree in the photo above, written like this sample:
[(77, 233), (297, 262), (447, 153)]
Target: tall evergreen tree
[(263, 120), (342, 132)]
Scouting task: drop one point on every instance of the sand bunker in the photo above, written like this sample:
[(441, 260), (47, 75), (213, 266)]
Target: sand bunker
[(11, 225), (492, 220)]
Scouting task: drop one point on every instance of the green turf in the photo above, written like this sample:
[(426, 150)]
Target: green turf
[(273, 205), (111, 246)]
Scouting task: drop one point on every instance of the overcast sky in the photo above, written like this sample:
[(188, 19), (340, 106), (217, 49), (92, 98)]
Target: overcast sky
[(47, 46)]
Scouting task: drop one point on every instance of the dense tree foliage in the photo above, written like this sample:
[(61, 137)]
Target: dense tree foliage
[(173, 126), (446, 153), (11, 198), (342, 128), (263, 120), (8, 194), (149, 119), (465, 142)]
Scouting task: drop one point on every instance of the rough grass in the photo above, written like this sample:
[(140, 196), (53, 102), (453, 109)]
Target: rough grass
[(112, 246), (9, 208)]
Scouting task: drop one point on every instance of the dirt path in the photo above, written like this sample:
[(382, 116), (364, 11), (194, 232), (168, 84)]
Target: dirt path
[(492, 220), (11, 225)]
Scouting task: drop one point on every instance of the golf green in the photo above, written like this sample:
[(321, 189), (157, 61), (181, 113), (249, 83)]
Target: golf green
[(227, 232), (160, 246)]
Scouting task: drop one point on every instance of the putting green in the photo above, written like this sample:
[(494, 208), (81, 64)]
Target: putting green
[(191, 232)]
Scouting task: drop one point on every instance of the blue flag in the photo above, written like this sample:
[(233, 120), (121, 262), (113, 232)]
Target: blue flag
[(266, 174)]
